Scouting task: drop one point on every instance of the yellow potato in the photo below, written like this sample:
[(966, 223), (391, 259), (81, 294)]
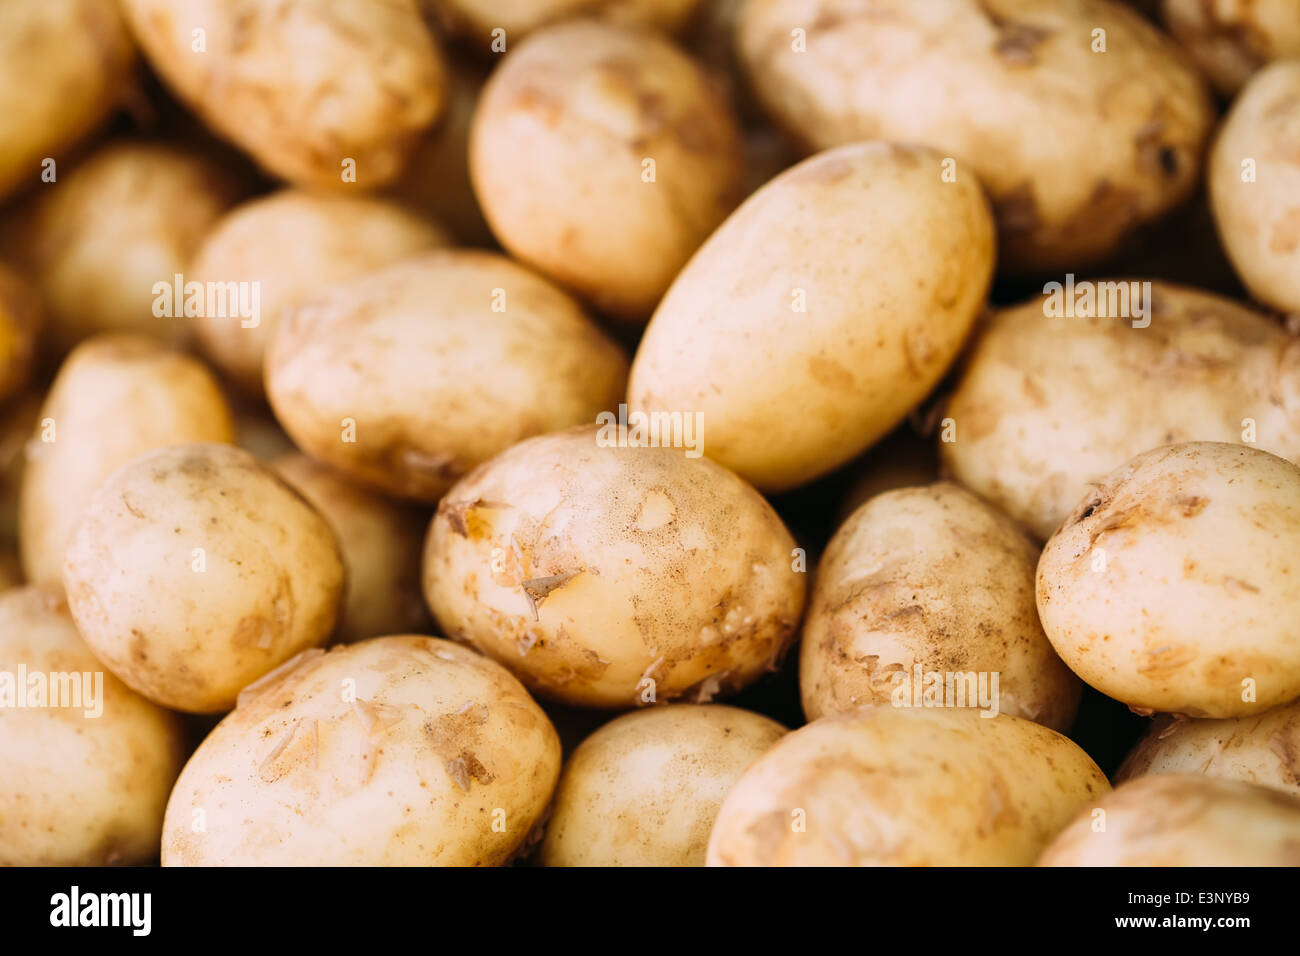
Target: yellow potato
[(476, 20), (20, 321), (1229, 40)]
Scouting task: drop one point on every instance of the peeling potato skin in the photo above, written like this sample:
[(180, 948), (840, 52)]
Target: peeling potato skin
[(644, 565), (435, 380), (930, 576), (644, 789), (1230, 40), (412, 772), (1200, 588), (20, 323), (476, 19), (272, 584), (884, 786), (1074, 148), (1045, 407), (788, 396), (1183, 820), (78, 790)]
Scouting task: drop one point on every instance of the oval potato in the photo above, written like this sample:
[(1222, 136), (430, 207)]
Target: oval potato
[(1230, 40)]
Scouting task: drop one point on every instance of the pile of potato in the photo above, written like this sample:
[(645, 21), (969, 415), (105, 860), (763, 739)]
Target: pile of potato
[(318, 323)]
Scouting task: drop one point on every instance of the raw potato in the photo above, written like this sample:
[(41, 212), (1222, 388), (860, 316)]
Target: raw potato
[(883, 786), (116, 397), (1183, 820), (612, 576), (20, 321), (381, 544), (195, 571), (293, 244), (934, 578), (1047, 406), (65, 65), (84, 783), (398, 751), (603, 156), (409, 377), (1257, 209), (1229, 40), (478, 19), (795, 328), (1175, 584), (1075, 147), (644, 789)]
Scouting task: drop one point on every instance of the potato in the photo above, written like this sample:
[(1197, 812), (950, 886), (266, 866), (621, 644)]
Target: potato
[(477, 20), (603, 157), (381, 543), (608, 576), (1047, 406), (1230, 40), (798, 354), (319, 92), (1254, 183), (195, 571), (1076, 147), (398, 751), (1174, 586), (881, 786), (925, 586), (115, 397), (1183, 820), (88, 764), (293, 244), (644, 789), (65, 65), (407, 378), (1263, 749)]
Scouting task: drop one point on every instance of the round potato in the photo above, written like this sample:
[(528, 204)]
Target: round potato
[(797, 355), (1048, 404), (603, 157), (1079, 117), (480, 20), (1230, 40), (398, 751), (644, 789), (407, 378), (1175, 584), (88, 764), (115, 397), (882, 786), (20, 321), (1183, 820), (195, 571), (608, 576), (931, 587)]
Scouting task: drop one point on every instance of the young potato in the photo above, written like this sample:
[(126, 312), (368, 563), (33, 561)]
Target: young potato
[(195, 571), (381, 543), (319, 92), (1183, 820), (87, 766), (292, 244), (934, 579), (116, 396), (881, 786), (1046, 406), (644, 789), (398, 751), (609, 576), (799, 356), (477, 20), (603, 157), (1175, 584), (1230, 40), (20, 321), (409, 377), (1075, 146)]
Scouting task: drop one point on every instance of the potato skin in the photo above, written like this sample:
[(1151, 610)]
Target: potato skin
[(1047, 406), (557, 151), (1198, 589), (1229, 40), (190, 635), (20, 322), (653, 576), (1075, 148), (1183, 820), (434, 377), (789, 395), (882, 786), (78, 790), (644, 789), (397, 751)]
